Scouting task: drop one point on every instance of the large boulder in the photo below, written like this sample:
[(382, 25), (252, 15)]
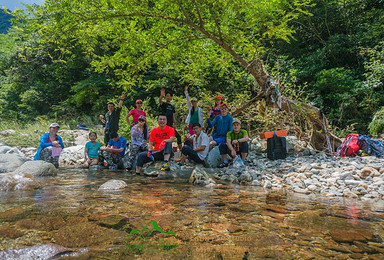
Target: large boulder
[(176, 171), (10, 162), (72, 156), (36, 168), (214, 158)]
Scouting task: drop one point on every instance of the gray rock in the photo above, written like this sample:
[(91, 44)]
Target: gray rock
[(44, 251), (36, 168), (113, 185), (200, 176), (267, 184), (245, 178), (214, 158), (255, 183), (352, 182), (73, 155), (10, 162), (7, 132)]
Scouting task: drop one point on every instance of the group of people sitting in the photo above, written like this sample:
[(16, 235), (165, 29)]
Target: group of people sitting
[(156, 145)]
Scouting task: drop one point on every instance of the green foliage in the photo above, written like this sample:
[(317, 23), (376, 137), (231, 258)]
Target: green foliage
[(376, 127)]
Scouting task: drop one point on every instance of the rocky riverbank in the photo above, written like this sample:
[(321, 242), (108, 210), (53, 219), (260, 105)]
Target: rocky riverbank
[(304, 171)]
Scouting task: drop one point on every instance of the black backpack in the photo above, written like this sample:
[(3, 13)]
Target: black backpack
[(276, 147)]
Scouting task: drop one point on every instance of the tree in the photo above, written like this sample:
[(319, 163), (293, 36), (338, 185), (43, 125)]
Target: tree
[(185, 36)]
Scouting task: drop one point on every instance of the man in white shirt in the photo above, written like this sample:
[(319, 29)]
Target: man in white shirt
[(200, 148)]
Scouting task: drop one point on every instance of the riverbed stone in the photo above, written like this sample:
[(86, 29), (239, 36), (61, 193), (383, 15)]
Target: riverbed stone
[(86, 234), (44, 251), (368, 172), (72, 156), (214, 158), (113, 185), (36, 168), (9, 162), (7, 132), (10, 232)]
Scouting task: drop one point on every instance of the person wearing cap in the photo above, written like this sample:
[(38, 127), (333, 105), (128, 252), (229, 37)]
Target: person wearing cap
[(111, 119), (139, 138), (136, 113), (223, 124), (50, 146), (159, 146), (195, 113), (112, 155), (237, 144), (200, 148), (216, 109)]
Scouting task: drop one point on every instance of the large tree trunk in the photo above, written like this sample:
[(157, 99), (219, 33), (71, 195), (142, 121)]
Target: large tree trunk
[(271, 94)]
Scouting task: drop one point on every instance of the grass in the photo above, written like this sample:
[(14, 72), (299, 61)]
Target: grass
[(28, 134)]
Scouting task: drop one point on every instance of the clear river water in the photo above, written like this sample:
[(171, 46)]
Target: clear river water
[(168, 218)]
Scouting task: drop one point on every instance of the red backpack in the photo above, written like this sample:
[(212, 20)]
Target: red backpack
[(350, 146)]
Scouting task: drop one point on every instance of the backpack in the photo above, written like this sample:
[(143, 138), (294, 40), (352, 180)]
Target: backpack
[(349, 147), (276, 147), (371, 146)]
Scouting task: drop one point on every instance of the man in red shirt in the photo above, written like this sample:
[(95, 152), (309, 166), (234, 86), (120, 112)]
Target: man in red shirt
[(159, 146)]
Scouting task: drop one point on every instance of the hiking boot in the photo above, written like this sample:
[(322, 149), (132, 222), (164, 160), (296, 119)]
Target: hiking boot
[(165, 167), (223, 165)]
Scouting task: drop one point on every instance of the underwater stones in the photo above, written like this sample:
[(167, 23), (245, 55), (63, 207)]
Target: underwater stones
[(113, 185), (9, 232), (86, 234)]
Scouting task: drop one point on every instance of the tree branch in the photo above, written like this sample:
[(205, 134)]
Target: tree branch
[(198, 14)]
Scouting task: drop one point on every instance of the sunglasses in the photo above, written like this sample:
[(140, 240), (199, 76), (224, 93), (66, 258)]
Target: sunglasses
[(139, 102), (217, 99)]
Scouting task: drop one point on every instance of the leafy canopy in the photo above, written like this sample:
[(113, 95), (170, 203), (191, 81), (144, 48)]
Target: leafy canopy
[(128, 37)]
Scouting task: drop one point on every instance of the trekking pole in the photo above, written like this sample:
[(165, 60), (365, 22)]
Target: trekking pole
[(326, 133)]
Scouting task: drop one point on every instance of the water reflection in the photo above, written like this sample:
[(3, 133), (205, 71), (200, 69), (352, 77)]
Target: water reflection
[(223, 222)]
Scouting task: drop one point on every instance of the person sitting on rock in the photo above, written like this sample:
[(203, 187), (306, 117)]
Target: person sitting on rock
[(51, 146), (223, 124), (136, 113), (159, 146), (111, 119), (139, 136), (111, 156), (200, 148), (237, 143), (91, 150)]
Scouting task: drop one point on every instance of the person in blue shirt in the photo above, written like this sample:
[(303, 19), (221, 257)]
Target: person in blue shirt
[(222, 123), (112, 155), (91, 150), (50, 146)]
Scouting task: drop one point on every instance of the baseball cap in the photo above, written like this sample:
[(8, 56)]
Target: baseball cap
[(236, 121), (142, 117), (139, 100), (193, 99), (54, 125), (218, 97)]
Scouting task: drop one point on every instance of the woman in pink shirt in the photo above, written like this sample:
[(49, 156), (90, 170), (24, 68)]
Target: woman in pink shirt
[(136, 113)]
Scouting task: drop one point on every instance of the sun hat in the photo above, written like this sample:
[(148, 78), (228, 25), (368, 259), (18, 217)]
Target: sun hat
[(142, 117), (54, 125), (236, 121)]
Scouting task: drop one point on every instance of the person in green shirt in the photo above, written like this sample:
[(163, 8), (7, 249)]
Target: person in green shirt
[(236, 144)]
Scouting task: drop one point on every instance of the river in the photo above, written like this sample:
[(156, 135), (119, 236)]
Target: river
[(172, 219)]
